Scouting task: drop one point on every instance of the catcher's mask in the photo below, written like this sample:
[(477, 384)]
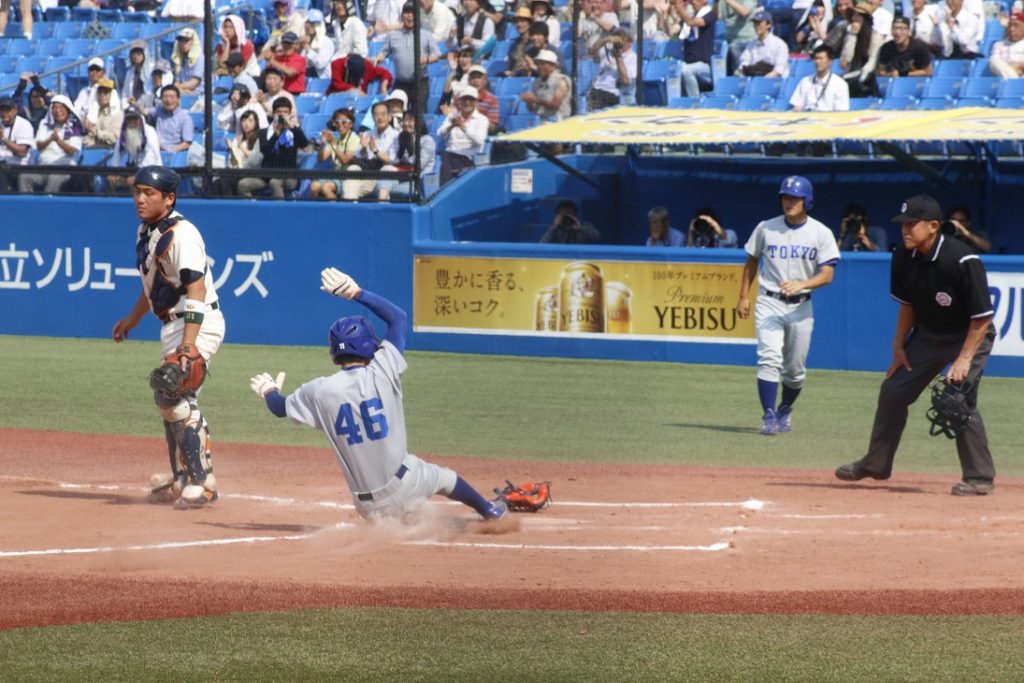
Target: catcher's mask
[(950, 410), (352, 336)]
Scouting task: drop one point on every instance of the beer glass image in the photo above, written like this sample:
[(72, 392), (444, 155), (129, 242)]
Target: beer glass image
[(619, 298)]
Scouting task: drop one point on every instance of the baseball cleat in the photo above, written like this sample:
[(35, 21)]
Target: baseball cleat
[(783, 419), (972, 488), (854, 471), (195, 496), (770, 426), (498, 511)]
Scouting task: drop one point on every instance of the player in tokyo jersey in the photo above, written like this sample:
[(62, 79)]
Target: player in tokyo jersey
[(360, 410), (791, 255)]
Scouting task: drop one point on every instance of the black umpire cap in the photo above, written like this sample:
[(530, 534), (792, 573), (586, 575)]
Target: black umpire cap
[(922, 207), (163, 179)]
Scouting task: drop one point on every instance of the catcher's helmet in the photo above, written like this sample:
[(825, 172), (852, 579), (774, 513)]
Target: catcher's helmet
[(352, 336), (798, 186), (163, 179)]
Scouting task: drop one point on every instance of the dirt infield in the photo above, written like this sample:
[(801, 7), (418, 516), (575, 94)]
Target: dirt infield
[(80, 543)]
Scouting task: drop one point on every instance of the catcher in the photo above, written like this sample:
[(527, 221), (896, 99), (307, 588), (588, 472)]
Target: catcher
[(178, 287), (945, 318)]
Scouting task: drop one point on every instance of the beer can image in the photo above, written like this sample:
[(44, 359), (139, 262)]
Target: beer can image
[(581, 298), (545, 317), (619, 300)]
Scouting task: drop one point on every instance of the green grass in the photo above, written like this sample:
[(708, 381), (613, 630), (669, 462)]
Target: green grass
[(539, 409), (448, 645)]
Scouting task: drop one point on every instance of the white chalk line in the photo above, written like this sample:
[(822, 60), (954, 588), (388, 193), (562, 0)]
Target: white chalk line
[(714, 547)]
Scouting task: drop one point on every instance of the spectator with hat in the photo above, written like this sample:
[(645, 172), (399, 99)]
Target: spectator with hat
[(464, 132), (859, 57), (58, 141), (347, 32), (904, 55), (398, 105), (137, 79), (233, 40), (137, 146), (240, 101), (486, 103), (437, 18), (358, 74), (161, 76), (516, 60), (767, 54), (273, 88), (1007, 60), (103, 121), (697, 32), (173, 125), (87, 95), (543, 12), (290, 63), (285, 20), (399, 44), (16, 139), (315, 46), (616, 71), (235, 65), (188, 63), (550, 93)]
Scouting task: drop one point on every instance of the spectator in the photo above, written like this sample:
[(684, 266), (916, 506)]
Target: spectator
[(235, 64), (487, 103), (822, 90), (538, 41), (233, 40), (705, 230), (240, 102), (160, 77), (187, 60), (87, 95), (662, 234), (273, 89), (138, 77), (860, 53), (542, 12), (516, 60), (566, 227), (881, 19), (25, 7), (280, 143), (959, 30), (464, 131), (58, 140), (831, 33), (290, 63), (348, 33), (38, 99), (458, 75), (182, 10), (473, 28), (378, 148), (1007, 59), (797, 13), (400, 45), (958, 224), (496, 11), (398, 104), (384, 15), (437, 19), (413, 129), (339, 143), (358, 74), (903, 55), (856, 233), (925, 25), (315, 46), (616, 70), (738, 19), (137, 146), (243, 150), (698, 36), (811, 30), (550, 93), (173, 124), (285, 20), (103, 122), (16, 140), (595, 23), (767, 54)]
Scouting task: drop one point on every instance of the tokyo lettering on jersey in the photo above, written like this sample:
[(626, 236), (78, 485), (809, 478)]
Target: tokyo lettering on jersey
[(791, 253)]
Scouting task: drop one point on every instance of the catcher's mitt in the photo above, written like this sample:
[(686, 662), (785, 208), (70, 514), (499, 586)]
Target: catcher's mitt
[(526, 498), (181, 374), (950, 409)]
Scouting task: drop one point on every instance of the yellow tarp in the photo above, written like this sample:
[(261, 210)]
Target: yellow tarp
[(651, 125)]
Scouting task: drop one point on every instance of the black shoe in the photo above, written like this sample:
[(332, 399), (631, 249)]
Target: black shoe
[(854, 471), (973, 488)]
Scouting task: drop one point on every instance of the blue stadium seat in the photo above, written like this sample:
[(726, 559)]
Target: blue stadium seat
[(976, 87), (654, 49), (338, 100), (910, 86), (730, 86), (314, 124), (495, 69), (127, 31), (939, 87), (512, 86), (674, 49), (54, 14), (500, 52), (57, 63), (41, 29), (33, 63), (13, 29), (684, 102), (798, 68), (756, 104), (68, 29), (47, 46), (96, 157), (82, 14), (951, 68), (198, 124), (979, 69), (928, 148), (19, 47), (187, 101), (862, 103), (137, 17), (8, 64), (440, 69), (763, 87), (974, 102), (935, 103), (715, 102), (307, 104), (317, 85), (522, 121), (1011, 103), (1011, 88), (898, 103), (109, 16), (79, 47)]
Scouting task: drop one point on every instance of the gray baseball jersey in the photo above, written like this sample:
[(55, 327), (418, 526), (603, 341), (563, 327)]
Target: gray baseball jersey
[(787, 253), (360, 410)]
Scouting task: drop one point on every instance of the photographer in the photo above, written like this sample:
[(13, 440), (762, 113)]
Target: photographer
[(339, 143), (856, 235), (279, 144), (662, 234), (958, 225), (566, 228), (616, 71), (706, 231)]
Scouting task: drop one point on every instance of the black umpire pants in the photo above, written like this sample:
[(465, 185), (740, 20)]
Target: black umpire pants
[(928, 355)]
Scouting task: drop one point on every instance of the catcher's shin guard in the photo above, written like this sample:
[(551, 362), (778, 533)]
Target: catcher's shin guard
[(190, 436)]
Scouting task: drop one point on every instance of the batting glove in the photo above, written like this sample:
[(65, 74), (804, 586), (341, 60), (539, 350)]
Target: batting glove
[(262, 384), (337, 283)]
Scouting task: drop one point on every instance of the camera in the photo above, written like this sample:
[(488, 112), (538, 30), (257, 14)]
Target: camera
[(281, 120), (702, 227), (948, 228), (854, 225)]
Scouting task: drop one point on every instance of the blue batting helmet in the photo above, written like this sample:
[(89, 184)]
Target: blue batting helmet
[(352, 336), (798, 186), (163, 179)]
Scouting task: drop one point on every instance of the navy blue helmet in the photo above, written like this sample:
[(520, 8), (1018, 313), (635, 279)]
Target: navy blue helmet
[(163, 179), (352, 336), (798, 186)]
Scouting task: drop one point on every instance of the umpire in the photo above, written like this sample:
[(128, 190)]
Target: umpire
[(945, 317)]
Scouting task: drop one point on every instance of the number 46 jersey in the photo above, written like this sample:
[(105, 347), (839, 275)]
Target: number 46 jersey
[(360, 410)]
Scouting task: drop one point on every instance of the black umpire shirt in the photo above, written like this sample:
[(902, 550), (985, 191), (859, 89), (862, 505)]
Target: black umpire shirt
[(947, 287)]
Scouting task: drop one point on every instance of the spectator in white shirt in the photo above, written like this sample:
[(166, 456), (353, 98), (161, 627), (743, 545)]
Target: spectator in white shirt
[(473, 28), (240, 100), (348, 32), (823, 90), (959, 30), (315, 46), (384, 16), (617, 64), (87, 95), (464, 132), (16, 139), (924, 25), (59, 140), (595, 23), (767, 54), (881, 19), (437, 18), (378, 151), (1007, 59)]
